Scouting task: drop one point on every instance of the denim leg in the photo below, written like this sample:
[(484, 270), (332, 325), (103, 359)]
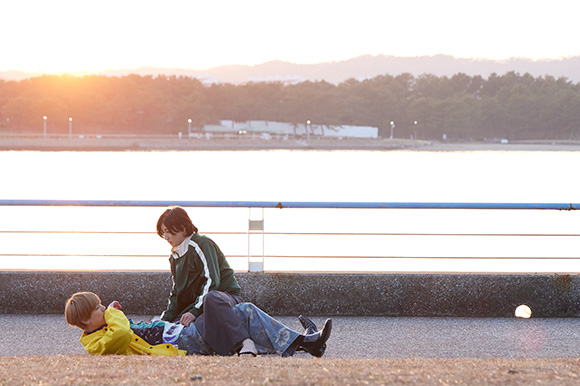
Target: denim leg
[(269, 335), (222, 328), (190, 340)]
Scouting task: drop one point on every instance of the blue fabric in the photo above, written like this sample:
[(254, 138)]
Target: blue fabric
[(269, 335), (190, 340)]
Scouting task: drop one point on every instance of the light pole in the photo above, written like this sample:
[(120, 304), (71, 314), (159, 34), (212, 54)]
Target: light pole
[(189, 128), (392, 128), (70, 128), (308, 130), (45, 118), (415, 126)]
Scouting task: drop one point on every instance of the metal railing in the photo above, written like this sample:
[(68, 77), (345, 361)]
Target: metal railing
[(280, 239), (302, 204)]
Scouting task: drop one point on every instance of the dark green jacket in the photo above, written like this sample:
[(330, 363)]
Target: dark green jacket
[(197, 267)]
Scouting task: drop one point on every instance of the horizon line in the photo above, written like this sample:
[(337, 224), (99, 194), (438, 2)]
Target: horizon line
[(152, 67)]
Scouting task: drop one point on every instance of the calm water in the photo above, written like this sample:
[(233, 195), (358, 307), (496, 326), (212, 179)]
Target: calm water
[(295, 176)]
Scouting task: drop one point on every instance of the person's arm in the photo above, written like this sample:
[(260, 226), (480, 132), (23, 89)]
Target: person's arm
[(210, 272), (170, 314), (117, 335)]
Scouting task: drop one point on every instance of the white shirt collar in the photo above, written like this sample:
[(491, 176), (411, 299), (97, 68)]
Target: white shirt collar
[(181, 249)]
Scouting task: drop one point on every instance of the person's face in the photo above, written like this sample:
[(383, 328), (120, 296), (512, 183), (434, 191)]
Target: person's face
[(175, 239), (97, 318)]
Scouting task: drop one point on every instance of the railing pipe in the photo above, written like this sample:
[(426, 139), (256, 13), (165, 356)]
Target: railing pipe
[(256, 228), (294, 204)]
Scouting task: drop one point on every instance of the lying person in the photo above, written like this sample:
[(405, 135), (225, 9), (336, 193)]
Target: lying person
[(108, 331)]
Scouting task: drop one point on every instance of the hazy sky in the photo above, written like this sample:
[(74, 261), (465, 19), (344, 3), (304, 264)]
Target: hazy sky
[(81, 35)]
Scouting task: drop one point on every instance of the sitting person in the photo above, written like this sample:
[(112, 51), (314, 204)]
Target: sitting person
[(108, 331), (203, 283)]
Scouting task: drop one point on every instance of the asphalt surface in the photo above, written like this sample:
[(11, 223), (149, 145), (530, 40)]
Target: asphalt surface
[(353, 337)]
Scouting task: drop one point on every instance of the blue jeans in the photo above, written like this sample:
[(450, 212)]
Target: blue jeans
[(269, 335)]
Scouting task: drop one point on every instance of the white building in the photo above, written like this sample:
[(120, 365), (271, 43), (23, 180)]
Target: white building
[(269, 129)]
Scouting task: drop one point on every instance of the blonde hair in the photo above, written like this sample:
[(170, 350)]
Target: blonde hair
[(79, 307)]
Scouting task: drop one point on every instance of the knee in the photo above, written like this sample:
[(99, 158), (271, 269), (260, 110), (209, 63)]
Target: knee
[(247, 307), (213, 297)]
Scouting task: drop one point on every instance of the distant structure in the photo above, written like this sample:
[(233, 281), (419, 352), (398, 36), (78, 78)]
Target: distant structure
[(283, 130), (283, 79)]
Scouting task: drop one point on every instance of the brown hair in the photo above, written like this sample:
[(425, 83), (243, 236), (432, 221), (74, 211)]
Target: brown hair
[(79, 307), (175, 220)]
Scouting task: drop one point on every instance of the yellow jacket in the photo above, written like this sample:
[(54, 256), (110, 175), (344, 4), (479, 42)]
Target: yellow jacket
[(118, 338)]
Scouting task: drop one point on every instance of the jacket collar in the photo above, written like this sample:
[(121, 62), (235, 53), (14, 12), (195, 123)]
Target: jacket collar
[(181, 249)]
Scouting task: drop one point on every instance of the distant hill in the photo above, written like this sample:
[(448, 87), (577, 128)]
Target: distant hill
[(361, 67)]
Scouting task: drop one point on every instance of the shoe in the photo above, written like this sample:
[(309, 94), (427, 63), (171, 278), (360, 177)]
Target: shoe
[(315, 344), (248, 348), (309, 326)]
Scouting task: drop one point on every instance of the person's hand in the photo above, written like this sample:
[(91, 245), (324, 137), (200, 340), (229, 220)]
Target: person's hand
[(116, 305), (186, 319)]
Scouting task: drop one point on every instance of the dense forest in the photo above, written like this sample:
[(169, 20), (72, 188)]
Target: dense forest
[(511, 106)]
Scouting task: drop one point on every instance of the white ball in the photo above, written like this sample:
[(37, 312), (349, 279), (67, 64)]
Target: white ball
[(523, 311)]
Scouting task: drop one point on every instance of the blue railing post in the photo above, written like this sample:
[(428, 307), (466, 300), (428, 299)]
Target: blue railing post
[(256, 233)]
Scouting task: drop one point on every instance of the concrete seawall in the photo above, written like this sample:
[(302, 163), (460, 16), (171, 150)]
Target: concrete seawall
[(316, 294)]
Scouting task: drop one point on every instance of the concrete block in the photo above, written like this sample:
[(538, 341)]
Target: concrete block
[(314, 294)]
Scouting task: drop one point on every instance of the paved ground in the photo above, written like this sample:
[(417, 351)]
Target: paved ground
[(354, 337)]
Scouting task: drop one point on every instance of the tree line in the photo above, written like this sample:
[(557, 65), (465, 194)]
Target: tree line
[(512, 106)]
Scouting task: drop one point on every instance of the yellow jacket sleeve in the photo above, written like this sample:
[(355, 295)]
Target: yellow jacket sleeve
[(114, 338)]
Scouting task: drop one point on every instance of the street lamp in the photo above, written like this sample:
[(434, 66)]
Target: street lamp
[(392, 128), (70, 128), (45, 118), (189, 128), (415, 126), (308, 129)]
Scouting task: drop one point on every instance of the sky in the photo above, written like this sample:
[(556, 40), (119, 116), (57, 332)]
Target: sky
[(71, 36)]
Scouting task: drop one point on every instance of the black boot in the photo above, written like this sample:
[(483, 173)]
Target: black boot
[(315, 344), (309, 326)]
